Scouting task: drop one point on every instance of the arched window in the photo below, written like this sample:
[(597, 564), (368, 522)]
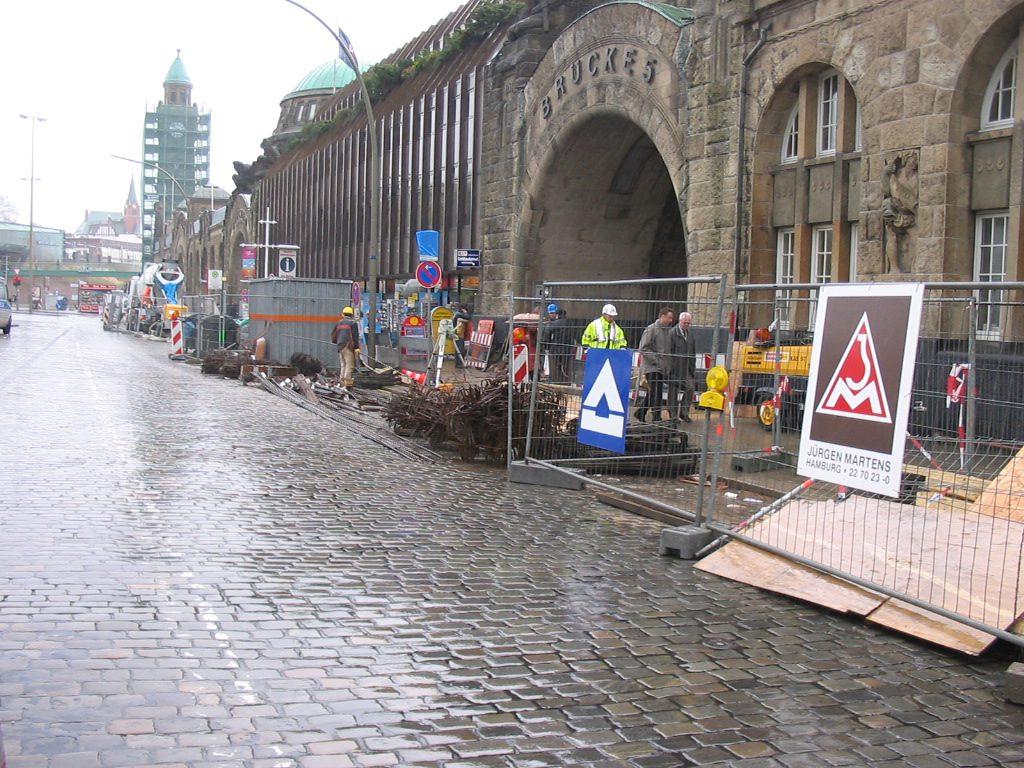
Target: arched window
[(791, 138), (997, 108)]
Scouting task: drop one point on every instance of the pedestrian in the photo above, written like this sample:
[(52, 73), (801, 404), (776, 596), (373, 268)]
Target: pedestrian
[(461, 321), (684, 367), (604, 332), (557, 338), (656, 362), (346, 336)]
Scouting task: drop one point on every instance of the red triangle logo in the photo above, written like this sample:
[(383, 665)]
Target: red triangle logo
[(855, 389)]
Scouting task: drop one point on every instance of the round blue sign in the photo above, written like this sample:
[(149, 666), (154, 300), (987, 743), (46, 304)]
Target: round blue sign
[(287, 264), (428, 274)]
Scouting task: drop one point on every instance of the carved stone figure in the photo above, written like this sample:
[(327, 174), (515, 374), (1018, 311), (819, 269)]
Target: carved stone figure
[(899, 208)]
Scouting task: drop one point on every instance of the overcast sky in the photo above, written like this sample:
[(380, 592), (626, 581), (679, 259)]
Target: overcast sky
[(90, 67)]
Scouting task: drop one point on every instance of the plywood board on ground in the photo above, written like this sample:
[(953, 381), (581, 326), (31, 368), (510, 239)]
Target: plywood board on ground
[(964, 561), (1004, 497), (750, 565)]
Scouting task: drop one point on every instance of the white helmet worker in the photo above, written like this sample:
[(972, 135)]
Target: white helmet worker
[(609, 309)]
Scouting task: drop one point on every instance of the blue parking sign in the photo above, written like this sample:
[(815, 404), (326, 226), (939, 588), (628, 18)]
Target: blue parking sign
[(604, 412)]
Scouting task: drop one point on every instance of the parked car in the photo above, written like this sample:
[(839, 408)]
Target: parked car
[(6, 316)]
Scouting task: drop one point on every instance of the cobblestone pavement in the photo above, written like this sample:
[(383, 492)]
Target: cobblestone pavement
[(193, 573)]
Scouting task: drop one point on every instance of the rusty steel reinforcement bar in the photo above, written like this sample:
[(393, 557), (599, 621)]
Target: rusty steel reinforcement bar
[(1002, 634), (396, 443), (614, 489)]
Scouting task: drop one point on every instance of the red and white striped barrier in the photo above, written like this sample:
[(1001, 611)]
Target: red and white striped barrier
[(520, 363), (479, 340), (177, 338), (416, 376)]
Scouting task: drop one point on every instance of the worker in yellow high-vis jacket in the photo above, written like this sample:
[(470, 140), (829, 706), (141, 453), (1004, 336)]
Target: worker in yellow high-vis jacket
[(604, 332)]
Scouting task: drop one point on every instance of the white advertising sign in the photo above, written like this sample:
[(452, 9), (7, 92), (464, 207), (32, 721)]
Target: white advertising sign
[(859, 386)]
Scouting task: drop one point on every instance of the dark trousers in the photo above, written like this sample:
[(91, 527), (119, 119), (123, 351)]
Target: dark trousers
[(655, 390), (679, 408)]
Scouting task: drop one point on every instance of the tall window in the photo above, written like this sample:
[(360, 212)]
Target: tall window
[(785, 272), (854, 246), (997, 109), (791, 139), (821, 255), (990, 246), (828, 113), (858, 141)]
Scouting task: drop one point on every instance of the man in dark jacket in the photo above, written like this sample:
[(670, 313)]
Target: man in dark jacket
[(558, 344), (656, 356), (684, 367), (346, 337)]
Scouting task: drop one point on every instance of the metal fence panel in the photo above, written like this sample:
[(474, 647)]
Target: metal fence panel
[(297, 315), (666, 437), (953, 540)]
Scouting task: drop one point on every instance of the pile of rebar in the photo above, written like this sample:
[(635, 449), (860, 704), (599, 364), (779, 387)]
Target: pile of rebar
[(474, 418), (225, 362)]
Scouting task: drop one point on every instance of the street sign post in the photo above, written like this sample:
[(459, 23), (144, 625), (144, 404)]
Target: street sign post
[(859, 386), (214, 279), (428, 274)]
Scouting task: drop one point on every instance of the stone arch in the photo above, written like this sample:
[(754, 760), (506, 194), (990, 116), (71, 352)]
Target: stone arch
[(595, 182)]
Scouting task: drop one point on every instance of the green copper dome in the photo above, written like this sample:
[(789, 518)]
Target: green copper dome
[(330, 75), (177, 75)]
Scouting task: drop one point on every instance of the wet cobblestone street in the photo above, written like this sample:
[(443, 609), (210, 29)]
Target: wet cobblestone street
[(193, 573)]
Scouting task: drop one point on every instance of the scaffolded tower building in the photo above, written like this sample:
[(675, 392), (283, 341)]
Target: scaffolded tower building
[(176, 154)]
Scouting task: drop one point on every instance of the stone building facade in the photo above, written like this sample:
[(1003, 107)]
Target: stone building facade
[(881, 141), (789, 141)]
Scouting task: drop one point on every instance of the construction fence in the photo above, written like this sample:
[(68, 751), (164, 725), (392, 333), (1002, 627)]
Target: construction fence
[(213, 322), (942, 560)]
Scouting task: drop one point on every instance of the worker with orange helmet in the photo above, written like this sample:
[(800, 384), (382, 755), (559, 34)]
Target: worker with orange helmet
[(346, 337)]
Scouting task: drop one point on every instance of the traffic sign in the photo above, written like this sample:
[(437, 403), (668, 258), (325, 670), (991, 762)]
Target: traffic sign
[(428, 274), (286, 263), (467, 258), (605, 399)]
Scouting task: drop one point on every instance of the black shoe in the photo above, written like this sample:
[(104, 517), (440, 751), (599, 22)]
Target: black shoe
[(687, 419)]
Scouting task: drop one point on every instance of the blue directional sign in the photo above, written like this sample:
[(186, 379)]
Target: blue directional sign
[(467, 258), (428, 241), (605, 406)]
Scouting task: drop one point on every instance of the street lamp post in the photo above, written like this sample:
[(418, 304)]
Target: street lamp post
[(31, 203), (373, 271)]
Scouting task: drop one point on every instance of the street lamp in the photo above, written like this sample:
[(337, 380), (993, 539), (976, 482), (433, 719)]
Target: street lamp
[(31, 202), (346, 53), (174, 181)]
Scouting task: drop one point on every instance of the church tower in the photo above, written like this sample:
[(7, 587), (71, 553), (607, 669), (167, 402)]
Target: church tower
[(132, 212)]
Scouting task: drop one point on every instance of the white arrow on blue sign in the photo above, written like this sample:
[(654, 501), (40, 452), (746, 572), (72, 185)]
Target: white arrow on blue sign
[(605, 409)]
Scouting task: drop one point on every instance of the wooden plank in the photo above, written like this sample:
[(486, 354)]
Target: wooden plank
[(750, 565), (959, 559), (963, 487), (917, 622)]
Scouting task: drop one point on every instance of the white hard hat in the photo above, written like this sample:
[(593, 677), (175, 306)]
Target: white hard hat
[(609, 309)]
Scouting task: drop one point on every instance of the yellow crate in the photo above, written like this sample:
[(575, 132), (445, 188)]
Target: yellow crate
[(794, 361)]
